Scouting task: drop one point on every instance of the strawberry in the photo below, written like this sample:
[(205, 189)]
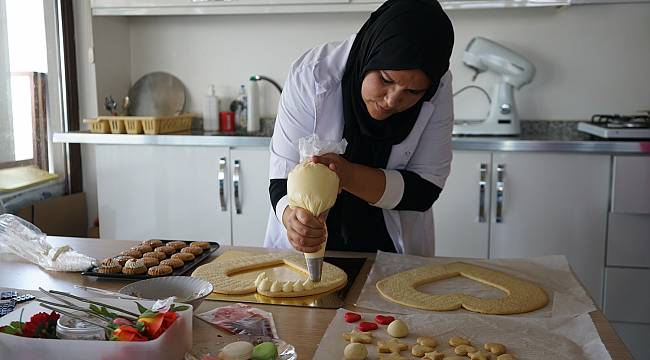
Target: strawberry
[(351, 317), (384, 319), (367, 326)]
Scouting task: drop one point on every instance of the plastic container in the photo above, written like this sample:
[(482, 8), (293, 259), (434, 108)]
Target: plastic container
[(171, 345), (253, 107), (68, 328), (100, 126), (211, 111), (117, 125), (240, 108)]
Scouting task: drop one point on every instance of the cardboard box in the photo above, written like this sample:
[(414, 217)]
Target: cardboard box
[(59, 216)]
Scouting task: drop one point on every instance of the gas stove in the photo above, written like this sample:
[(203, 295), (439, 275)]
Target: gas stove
[(618, 126)]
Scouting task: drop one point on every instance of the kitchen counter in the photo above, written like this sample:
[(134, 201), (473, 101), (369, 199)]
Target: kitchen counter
[(541, 136), (302, 327)]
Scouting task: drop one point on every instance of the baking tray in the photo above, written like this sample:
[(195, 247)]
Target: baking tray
[(333, 299), (177, 272)]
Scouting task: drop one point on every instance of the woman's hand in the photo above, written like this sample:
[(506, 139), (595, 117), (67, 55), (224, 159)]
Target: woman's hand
[(362, 181), (305, 231), (339, 165)]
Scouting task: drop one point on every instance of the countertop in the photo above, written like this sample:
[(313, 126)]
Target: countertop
[(302, 327), (542, 136)]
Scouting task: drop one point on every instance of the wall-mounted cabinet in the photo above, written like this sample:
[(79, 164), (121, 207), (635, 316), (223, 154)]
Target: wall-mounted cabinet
[(219, 7)]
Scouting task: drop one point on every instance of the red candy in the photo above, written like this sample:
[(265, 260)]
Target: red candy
[(351, 317), (367, 326), (384, 319)]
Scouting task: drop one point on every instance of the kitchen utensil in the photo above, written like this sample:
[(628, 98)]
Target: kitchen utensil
[(125, 105), (157, 94), (111, 105)]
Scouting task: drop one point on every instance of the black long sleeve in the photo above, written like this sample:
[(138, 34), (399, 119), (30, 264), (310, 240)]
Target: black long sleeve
[(277, 189), (419, 194)]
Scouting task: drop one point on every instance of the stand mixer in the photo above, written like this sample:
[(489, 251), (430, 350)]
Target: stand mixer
[(514, 70)]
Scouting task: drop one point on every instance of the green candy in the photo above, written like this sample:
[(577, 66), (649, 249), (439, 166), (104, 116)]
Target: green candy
[(265, 351)]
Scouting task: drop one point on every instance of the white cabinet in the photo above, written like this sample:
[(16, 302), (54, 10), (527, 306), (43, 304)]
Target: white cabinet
[(250, 202), (461, 214), (535, 204), (182, 192)]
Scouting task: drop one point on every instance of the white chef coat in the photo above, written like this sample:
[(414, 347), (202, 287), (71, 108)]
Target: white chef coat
[(311, 102)]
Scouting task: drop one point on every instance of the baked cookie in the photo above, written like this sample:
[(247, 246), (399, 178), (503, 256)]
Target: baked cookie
[(142, 248), (159, 255), (202, 244), (153, 243), (175, 263), (132, 253), (186, 257), (160, 270), (122, 259), (177, 245), (109, 266), (150, 261), (194, 250), (134, 267), (167, 250)]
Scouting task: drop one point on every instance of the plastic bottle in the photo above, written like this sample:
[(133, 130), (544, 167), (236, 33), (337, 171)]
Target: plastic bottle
[(241, 108), (253, 116), (211, 111)]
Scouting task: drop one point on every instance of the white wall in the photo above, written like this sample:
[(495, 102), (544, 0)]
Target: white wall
[(590, 59)]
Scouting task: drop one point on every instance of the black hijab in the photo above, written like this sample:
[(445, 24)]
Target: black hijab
[(400, 35)]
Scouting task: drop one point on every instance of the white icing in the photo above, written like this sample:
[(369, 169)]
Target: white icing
[(308, 285), (276, 287), (264, 285), (297, 286), (259, 279), (287, 287)]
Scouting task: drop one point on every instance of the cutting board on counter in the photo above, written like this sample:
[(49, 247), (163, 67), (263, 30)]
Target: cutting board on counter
[(333, 299)]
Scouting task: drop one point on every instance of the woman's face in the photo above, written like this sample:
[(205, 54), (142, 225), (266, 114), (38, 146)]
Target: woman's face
[(387, 92)]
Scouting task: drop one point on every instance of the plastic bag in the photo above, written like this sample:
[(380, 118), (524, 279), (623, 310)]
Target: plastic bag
[(240, 319), (313, 145), (21, 238)]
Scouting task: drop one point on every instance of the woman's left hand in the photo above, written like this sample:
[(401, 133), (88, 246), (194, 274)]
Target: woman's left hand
[(339, 165)]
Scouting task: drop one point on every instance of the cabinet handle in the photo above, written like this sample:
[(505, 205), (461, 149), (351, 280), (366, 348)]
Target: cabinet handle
[(482, 183), (501, 169), (222, 180), (236, 186)]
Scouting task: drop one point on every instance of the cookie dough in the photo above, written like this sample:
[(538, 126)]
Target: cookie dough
[(391, 346), (355, 336), (522, 296), (398, 329), (355, 351), (220, 275), (313, 187)]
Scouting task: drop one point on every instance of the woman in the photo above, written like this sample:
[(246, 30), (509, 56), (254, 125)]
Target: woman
[(387, 91)]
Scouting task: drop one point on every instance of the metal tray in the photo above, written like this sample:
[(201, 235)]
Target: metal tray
[(330, 300), (177, 272)]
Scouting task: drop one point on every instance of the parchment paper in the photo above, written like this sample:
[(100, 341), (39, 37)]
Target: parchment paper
[(562, 338), (566, 296)]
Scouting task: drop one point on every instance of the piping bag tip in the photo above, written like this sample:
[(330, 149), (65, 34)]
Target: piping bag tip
[(315, 268)]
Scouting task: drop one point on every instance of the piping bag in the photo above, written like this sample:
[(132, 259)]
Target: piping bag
[(314, 187)]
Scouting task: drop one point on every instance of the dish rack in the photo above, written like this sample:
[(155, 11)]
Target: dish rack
[(150, 125)]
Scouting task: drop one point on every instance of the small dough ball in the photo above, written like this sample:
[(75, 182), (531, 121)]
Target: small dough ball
[(355, 351), (398, 329), (313, 187), (239, 350)]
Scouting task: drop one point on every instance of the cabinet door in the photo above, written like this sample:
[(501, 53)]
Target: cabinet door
[(546, 204), (169, 192), (461, 214), (250, 202)]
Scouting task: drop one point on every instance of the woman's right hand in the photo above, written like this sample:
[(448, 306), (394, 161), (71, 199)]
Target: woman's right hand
[(305, 231)]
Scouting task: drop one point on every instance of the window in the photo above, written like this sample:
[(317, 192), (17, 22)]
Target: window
[(35, 79)]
